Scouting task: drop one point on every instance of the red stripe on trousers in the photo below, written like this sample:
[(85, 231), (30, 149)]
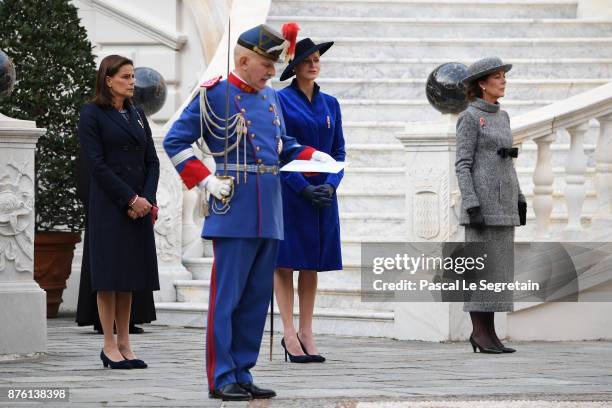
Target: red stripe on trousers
[(210, 342)]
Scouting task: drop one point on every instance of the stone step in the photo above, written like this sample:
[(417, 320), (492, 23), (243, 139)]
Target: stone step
[(329, 296), (350, 274), (370, 204), (380, 201), (351, 245), (381, 155), (426, 9), (414, 88), (199, 267), (393, 225), (384, 132), (325, 321), (419, 27), (411, 110), (383, 68), (371, 132), (454, 48), (375, 223), (365, 178), (374, 155)]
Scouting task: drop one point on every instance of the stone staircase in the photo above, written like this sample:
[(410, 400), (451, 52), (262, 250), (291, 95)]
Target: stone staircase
[(383, 52)]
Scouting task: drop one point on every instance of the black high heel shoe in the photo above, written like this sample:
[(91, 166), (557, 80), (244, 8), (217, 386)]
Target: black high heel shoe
[(316, 358), (123, 364), (503, 348), (136, 362), (485, 350), (295, 359)]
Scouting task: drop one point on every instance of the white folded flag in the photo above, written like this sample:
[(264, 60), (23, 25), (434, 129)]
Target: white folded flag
[(312, 166)]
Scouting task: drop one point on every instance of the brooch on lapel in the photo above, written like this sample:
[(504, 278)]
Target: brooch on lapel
[(140, 119), (483, 122), (328, 122)]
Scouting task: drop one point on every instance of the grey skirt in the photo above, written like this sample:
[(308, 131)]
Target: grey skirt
[(500, 255)]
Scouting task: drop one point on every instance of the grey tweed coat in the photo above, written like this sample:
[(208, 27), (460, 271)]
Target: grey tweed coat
[(485, 178), (489, 181)]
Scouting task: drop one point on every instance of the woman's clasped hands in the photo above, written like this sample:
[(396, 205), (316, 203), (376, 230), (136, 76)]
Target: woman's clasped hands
[(139, 207)]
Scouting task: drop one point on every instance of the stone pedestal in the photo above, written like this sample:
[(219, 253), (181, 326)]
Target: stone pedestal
[(22, 302), (432, 196), (433, 204), (169, 223)]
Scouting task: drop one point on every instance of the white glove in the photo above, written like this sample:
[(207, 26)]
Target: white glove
[(215, 186), (322, 157)]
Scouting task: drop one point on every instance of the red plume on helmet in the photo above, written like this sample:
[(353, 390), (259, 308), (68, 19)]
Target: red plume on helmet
[(290, 31)]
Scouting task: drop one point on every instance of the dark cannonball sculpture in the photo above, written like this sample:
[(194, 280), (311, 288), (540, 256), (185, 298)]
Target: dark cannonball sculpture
[(150, 90), (444, 89), (7, 75)]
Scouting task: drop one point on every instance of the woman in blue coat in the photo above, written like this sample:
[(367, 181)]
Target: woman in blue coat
[(116, 141), (310, 206)]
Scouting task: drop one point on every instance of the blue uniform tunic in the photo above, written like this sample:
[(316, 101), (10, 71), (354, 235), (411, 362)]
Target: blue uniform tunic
[(312, 235), (246, 236)]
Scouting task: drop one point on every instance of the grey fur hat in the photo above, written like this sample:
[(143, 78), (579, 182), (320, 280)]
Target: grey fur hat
[(484, 67)]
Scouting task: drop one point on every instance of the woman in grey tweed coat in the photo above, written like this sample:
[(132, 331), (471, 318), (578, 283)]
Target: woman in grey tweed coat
[(492, 202)]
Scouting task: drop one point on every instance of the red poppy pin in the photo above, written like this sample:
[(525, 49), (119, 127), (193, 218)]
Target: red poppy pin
[(483, 122)]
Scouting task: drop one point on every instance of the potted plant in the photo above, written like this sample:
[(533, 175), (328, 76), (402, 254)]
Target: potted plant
[(55, 76)]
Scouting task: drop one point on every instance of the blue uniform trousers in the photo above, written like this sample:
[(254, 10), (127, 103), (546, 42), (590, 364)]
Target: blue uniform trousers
[(240, 292)]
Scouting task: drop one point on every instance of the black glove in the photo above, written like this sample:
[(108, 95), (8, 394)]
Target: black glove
[(476, 218), (328, 189), (505, 152), (318, 198), (522, 210)]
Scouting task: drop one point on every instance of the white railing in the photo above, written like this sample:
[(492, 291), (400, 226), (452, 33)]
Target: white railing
[(572, 115)]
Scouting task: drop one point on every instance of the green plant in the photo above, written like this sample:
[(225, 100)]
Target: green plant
[(55, 76)]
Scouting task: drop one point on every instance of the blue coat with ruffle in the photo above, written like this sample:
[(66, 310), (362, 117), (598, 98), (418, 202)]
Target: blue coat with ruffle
[(312, 235)]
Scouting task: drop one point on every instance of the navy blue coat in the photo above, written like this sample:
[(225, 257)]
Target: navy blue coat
[(312, 235), (123, 163)]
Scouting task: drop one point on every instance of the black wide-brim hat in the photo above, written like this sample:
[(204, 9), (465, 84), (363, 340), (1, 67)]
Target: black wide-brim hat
[(303, 49), (484, 67)]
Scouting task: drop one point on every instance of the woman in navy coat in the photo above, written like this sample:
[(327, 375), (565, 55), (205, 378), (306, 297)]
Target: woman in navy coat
[(310, 206), (116, 140)]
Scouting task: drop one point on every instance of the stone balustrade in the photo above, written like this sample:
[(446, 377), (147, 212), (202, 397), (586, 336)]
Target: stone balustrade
[(573, 116)]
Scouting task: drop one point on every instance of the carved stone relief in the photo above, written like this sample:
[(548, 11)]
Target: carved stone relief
[(16, 216), (430, 203), (169, 200)]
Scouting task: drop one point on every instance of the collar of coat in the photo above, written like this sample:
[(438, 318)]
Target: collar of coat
[(241, 83), (485, 106), (296, 86)]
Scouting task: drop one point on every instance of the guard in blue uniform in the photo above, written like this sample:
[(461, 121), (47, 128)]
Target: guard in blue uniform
[(245, 218)]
